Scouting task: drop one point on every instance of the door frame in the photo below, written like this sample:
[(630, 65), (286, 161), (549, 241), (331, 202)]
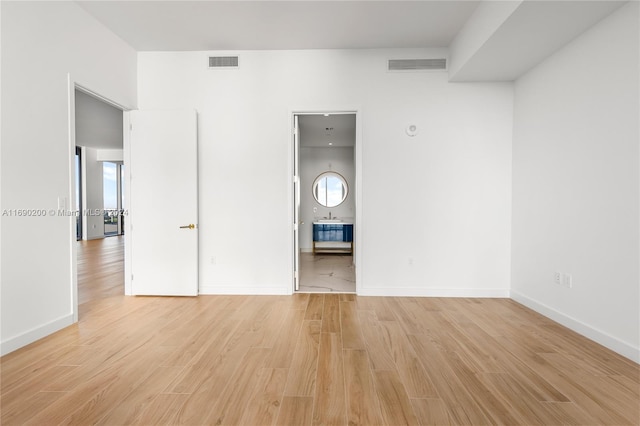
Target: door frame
[(357, 237), (69, 203)]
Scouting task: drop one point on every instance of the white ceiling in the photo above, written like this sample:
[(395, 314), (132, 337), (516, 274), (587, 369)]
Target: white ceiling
[(98, 125), (534, 31), (318, 130), (256, 25)]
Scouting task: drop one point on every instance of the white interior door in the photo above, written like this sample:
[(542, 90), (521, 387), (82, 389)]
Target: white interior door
[(164, 203), (296, 203)]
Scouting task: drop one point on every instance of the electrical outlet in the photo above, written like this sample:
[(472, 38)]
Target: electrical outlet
[(557, 278), (567, 280), (213, 260), (410, 261)]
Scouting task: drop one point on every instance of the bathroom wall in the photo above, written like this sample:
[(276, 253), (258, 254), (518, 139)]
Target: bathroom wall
[(314, 161)]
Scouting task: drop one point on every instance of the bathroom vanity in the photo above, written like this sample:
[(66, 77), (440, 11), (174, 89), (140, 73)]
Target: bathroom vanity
[(332, 236)]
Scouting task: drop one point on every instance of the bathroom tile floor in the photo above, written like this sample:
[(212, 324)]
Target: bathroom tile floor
[(327, 273)]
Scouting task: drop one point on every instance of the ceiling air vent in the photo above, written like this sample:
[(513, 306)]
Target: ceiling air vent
[(223, 62), (417, 64)]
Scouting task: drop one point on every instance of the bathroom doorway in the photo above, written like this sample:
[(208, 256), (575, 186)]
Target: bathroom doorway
[(325, 194)]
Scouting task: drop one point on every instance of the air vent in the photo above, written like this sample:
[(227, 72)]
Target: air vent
[(417, 64), (223, 62)]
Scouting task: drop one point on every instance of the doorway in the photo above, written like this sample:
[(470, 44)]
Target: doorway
[(325, 194), (97, 142)]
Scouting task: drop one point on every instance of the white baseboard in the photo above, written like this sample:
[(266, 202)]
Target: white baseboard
[(606, 340), (30, 336), (433, 292), (247, 291)]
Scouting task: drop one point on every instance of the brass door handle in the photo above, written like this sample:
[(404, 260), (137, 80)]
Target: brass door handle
[(189, 226)]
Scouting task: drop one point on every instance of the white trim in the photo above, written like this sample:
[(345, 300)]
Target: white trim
[(83, 188), (623, 348), (126, 148), (98, 96), (434, 292), (73, 255), (245, 291), (358, 244), (34, 334)]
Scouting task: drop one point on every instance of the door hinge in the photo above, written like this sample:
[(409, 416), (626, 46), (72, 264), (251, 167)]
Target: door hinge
[(131, 277), (130, 126)]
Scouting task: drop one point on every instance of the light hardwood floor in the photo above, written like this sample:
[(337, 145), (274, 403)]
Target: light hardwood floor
[(311, 359), (100, 271)]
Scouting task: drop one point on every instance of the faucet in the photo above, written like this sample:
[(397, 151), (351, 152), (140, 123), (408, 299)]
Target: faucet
[(329, 215)]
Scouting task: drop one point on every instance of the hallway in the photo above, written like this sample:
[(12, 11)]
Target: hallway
[(100, 271)]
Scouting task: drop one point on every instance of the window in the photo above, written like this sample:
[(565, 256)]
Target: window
[(78, 193), (110, 193)]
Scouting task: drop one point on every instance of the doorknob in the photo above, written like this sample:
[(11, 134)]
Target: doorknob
[(189, 226)]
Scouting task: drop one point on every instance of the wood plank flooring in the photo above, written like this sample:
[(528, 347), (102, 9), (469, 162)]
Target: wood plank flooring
[(100, 271), (310, 359)]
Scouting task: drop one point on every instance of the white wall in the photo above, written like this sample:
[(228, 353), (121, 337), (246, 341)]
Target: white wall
[(576, 184), (442, 198), (313, 162), (93, 190), (42, 42)]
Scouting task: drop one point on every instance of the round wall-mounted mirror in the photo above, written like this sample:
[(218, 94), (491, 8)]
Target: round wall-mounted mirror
[(330, 189)]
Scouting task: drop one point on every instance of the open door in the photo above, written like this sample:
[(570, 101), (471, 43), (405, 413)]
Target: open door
[(296, 203), (163, 210)]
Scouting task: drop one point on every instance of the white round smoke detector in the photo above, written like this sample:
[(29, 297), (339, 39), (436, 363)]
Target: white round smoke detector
[(412, 130)]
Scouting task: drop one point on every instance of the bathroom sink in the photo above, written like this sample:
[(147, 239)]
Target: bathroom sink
[(329, 221)]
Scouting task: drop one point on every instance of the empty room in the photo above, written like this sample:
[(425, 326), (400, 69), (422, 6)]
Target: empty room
[(331, 212)]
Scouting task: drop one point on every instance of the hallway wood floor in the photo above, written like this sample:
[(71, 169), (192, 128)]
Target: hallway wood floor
[(100, 271), (312, 359)]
